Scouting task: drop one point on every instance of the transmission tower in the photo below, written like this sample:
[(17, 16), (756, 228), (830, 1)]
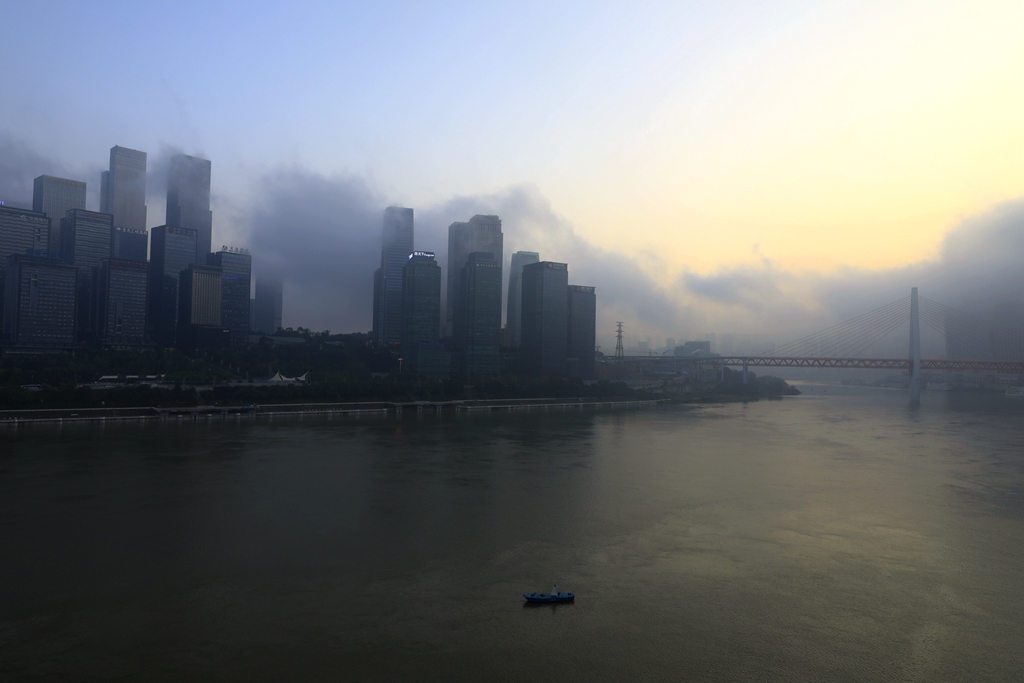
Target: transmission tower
[(619, 351)]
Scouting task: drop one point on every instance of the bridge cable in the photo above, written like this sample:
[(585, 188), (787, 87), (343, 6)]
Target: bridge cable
[(893, 323), (836, 334), (881, 328), (840, 329), (867, 337), (832, 335)]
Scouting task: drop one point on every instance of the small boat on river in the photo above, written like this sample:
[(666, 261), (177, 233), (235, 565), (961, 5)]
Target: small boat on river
[(553, 596)]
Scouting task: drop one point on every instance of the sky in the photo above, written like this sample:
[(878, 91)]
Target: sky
[(708, 166)]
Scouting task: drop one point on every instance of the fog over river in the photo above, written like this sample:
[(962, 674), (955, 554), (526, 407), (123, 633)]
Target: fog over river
[(840, 535)]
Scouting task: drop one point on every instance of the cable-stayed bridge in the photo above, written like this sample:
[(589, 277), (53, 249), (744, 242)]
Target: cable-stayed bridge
[(979, 345)]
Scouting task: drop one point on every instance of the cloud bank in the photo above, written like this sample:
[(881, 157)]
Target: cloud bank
[(322, 236), (977, 270), (20, 164)]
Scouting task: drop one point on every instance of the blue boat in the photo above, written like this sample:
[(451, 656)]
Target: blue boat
[(553, 596)]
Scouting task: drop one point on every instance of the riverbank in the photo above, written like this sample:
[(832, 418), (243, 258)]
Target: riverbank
[(388, 389), (254, 411)]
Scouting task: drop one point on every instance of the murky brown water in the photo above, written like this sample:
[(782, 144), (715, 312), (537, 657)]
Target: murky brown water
[(839, 536)]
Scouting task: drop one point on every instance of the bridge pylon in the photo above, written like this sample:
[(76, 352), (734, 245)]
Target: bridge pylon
[(915, 348)]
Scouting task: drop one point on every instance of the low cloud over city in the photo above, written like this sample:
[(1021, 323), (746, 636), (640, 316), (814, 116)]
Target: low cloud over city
[(322, 234)]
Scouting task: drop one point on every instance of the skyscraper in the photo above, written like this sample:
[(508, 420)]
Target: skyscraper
[(515, 294), (123, 188), (269, 304), (200, 292), (86, 237), (39, 301), (545, 318), (121, 293), (129, 245), (421, 317), (236, 265), (55, 197), (21, 230), (582, 329), (479, 321), (188, 200), (421, 299), (970, 337), (378, 306), (396, 245), (479, 234), (172, 250)]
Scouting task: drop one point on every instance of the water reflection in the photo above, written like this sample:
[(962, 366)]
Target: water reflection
[(553, 607)]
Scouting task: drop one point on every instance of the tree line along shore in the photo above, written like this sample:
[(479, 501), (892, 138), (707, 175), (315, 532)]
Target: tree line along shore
[(338, 368)]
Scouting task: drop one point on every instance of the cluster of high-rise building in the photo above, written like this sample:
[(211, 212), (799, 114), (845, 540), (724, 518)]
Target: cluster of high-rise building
[(550, 324), (70, 276)]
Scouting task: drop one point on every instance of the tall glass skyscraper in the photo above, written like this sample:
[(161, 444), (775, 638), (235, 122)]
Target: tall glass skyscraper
[(479, 322), (421, 317), (172, 250), (123, 188), (40, 301), (268, 305), (421, 299), (20, 231), (200, 294), (121, 294), (515, 294), (55, 197), (129, 245), (545, 318), (581, 339), (396, 245), (378, 305), (86, 237), (188, 200), (479, 234), (236, 266)]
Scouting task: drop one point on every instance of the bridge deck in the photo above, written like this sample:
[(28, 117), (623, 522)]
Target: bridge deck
[(1002, 366)]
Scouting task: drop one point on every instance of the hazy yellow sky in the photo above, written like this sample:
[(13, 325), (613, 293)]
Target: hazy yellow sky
[(853, 135)]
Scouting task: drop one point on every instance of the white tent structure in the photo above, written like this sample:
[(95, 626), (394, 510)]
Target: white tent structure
[(278, 377)]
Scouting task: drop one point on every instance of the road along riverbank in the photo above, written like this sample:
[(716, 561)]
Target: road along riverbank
[(257, 411)]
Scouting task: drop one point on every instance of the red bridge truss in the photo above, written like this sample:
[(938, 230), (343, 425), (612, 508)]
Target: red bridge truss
[(1001, 366)]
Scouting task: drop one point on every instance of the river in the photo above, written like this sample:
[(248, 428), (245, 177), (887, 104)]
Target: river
[(841, 535)]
